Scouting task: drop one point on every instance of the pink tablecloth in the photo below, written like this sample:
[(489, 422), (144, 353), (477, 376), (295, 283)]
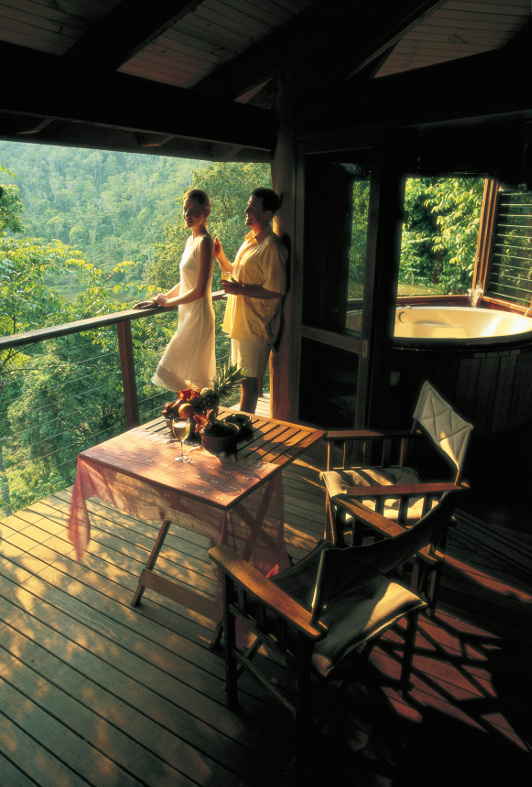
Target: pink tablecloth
[(231, 501)]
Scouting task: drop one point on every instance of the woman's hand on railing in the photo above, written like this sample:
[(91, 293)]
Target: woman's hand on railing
[(145, 304)]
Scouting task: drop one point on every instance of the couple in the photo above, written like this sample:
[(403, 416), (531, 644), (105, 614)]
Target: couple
[(253, 313)]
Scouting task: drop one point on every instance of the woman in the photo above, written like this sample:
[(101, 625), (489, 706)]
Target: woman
[(189, 360)]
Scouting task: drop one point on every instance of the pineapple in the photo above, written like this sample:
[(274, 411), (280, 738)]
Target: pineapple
[(209, 399), (225, 380)]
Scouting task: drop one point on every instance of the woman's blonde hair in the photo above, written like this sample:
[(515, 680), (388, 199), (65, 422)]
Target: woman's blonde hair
[(200, 196)]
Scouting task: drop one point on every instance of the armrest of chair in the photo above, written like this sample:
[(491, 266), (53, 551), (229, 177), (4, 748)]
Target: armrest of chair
[(366, 434), (264, 591), (388, 528), (402, 490), (360, 513)]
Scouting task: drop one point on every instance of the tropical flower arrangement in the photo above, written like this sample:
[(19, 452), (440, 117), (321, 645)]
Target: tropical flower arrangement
[(202, 405)]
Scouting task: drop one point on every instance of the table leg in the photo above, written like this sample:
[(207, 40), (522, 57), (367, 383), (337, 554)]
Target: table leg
[(168, 588), (159, 541), (217, 636)]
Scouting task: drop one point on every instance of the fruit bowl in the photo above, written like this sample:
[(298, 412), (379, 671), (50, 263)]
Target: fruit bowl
[(221, 438), (243, 422)]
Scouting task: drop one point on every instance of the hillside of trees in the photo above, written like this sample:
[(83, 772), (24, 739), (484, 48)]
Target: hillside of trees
[(112, 206)]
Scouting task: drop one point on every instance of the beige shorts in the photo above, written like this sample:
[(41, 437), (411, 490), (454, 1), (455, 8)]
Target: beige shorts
[(251, 355)]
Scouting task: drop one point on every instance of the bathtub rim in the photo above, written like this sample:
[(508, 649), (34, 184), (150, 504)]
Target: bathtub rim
[(412, 342)]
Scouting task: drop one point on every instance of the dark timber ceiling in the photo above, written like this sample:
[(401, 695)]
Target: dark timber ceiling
[(200, 78)]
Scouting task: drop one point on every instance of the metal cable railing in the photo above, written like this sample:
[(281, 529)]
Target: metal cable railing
[(69, 387)]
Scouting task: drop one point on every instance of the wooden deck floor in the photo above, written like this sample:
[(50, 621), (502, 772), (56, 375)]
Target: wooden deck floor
[(95, 692)]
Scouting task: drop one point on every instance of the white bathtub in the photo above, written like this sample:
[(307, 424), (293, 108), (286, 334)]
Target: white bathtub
[(453, 322), (479, 359)]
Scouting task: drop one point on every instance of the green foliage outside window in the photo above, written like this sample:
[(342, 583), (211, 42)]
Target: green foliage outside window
[(440, 234), (359, 231), (57, 395), (439, 240)]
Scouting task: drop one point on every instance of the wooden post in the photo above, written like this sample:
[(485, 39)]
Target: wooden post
[(380, 285), (127, 364), (284, 359), (488, 214)]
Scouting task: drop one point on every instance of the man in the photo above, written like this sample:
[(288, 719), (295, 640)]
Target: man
[(256, 287)]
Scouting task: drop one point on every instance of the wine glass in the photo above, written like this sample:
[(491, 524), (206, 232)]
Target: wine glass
[(181, 430)]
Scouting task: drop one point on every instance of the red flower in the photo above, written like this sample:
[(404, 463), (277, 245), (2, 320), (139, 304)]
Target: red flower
[(201, 421), (188, 395)]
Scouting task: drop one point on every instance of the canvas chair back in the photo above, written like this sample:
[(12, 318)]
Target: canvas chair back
[(441, 423), (342, 572)]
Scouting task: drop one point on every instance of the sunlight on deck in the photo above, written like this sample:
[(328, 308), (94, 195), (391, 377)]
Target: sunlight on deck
[(97, 692)]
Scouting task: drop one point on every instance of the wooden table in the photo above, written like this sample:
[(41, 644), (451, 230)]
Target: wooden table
[(237, 500)]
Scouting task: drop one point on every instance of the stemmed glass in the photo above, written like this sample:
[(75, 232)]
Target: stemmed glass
[(181, 430)]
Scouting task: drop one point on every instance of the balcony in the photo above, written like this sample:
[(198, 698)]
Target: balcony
[(96, 692)]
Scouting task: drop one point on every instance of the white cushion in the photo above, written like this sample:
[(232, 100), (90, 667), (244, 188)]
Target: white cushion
[(339, 481)]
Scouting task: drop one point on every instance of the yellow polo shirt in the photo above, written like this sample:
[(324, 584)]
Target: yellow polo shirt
[(260, 260)]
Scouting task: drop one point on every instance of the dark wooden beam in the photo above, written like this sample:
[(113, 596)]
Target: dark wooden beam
[(520, 44), (331, 40), (372, 30), (26, 128), (45, 86), (479, 89), (126, 29)]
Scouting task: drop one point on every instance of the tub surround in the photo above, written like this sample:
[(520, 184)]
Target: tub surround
[(480, 359), (459, 323)]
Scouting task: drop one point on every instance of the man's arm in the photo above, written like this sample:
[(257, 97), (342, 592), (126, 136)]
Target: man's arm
[(233, 287), (219, 255)]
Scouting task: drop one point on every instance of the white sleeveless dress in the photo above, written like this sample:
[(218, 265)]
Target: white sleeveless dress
[(189, 360)]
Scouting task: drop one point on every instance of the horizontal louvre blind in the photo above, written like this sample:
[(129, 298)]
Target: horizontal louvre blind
[(510, 275)]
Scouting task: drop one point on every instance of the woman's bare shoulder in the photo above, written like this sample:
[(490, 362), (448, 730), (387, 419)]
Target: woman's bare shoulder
[(206, 241)]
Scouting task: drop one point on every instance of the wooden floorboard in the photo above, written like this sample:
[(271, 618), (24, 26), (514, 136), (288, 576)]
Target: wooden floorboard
[(95, 692)]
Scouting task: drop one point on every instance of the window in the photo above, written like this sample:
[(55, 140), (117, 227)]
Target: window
[(440, 234), (336, 227), (510, 268)]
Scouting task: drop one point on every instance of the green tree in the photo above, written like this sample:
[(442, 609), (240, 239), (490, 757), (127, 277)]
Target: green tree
[(53, 393), (440, 232), (359, 232), (112, 205), (10, 208)]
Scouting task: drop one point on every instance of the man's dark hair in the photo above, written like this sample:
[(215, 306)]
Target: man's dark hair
[(268, 197)]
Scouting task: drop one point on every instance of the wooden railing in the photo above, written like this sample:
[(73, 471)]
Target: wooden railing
[(122, 320), (39, 447)]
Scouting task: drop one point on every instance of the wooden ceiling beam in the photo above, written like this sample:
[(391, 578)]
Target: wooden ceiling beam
[(481, 88), (332, 40), (94, 137), (44, 87), (357, 46), (303, 34), (126, 29)]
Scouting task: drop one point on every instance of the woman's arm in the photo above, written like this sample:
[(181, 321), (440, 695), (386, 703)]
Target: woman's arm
[(174, 297), (161, 299)]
